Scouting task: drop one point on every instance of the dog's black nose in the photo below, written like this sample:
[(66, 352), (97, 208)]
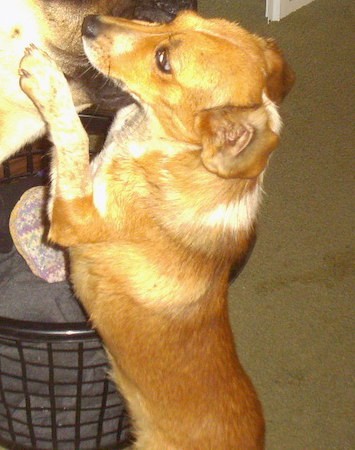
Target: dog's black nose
[(91, 26)]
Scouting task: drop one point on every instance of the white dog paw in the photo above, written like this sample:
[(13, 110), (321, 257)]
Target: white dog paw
[(42, 81)]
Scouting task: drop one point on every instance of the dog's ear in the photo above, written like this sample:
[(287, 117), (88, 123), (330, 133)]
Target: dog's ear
[(236, 142), (280, 76)]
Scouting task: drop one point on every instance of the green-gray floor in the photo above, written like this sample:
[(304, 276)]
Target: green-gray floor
[(292, 307)]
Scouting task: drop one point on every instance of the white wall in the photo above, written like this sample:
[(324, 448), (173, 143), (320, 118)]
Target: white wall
[(277, 9)]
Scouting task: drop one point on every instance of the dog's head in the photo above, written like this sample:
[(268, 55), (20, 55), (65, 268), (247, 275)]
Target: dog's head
[(209, 82), (60, 28)]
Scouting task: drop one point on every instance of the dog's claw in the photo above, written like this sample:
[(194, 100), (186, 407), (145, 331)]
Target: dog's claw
[(31, 47), (23, 73)]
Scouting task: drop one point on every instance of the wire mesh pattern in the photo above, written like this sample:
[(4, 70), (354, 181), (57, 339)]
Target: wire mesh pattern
[(23, 164), (57, 395)]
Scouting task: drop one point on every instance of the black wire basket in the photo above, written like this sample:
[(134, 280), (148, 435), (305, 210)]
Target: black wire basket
[(55, 390), (52, 395)]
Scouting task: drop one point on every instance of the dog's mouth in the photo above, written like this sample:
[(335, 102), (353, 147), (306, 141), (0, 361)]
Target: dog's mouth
[(105, 91), (110, 94), (109, 90)]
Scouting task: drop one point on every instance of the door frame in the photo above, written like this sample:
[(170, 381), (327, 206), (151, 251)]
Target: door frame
[(278, 9)]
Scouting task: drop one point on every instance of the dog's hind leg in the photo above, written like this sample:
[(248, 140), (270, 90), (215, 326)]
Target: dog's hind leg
[(70, 209)]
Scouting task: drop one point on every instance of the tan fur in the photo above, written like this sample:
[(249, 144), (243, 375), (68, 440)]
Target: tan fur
[(155, 224), (55, 27)]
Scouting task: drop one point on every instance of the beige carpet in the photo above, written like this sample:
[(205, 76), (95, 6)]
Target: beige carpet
[(292, 308)]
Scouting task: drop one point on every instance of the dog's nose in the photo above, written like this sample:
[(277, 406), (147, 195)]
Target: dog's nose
[(91, 26)]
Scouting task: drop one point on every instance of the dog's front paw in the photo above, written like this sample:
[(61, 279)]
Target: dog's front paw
[(42, 81)]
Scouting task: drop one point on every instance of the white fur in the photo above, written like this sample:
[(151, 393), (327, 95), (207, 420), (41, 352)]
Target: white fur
[(236, 216), (100, 195), (114, 145), (273, 113), (136, 149)]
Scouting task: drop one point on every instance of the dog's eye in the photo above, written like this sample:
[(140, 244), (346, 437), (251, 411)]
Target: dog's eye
[(162, 60)]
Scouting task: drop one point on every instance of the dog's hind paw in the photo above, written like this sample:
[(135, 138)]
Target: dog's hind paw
[(43, 82)]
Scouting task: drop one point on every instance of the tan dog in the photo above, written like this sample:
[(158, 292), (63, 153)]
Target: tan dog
[(54, 26), (157, 221)]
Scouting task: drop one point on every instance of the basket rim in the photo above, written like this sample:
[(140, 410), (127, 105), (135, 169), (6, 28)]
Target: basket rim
[(48, 331)]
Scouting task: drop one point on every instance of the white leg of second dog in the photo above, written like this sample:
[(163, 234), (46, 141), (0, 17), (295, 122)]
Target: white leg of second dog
[(47, 87)]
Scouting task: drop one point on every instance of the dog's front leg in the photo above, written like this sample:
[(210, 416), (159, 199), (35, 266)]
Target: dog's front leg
[(70, 207)]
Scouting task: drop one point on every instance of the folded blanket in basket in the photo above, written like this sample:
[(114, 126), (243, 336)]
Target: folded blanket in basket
[(28, 227), (9, 196)]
